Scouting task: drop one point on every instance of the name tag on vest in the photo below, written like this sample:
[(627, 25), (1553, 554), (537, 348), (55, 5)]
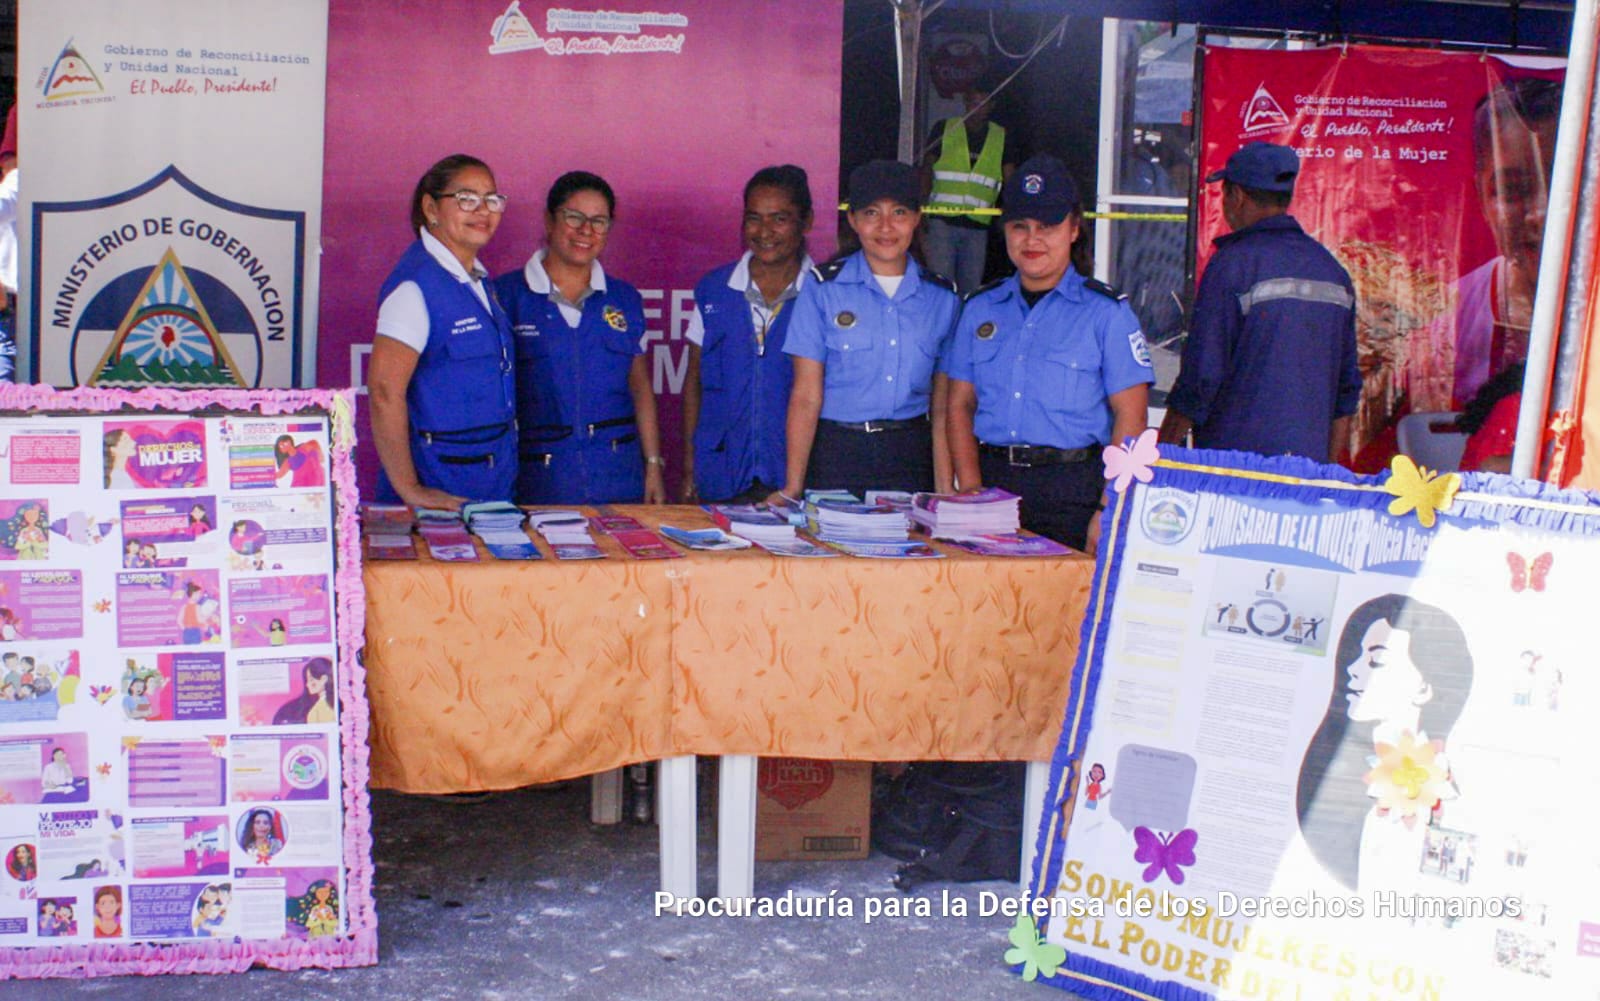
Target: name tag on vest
[(466, 325)]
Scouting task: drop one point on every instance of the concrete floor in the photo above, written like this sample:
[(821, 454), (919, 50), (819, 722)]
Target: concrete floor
[(520, 897)]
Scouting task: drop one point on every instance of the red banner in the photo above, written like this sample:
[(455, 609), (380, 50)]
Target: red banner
[(1425, 173)]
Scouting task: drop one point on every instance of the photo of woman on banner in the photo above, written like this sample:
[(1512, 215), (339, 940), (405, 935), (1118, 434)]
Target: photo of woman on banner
[(1513, 142), (585, 407), (440, 377), (736, 384), (1402, 672)]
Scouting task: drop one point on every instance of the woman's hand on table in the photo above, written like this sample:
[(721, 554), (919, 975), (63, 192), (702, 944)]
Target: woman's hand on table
[(431, 497), (655, 485)]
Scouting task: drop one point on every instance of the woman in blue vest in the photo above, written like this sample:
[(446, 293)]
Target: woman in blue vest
[(584, 404), (867, 339), (1047, 367), (736, 385), (440, 376)]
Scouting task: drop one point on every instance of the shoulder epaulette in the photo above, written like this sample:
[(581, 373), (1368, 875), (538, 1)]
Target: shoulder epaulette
[(1109, 291), (939, 280), (982, 289), (827, 271)]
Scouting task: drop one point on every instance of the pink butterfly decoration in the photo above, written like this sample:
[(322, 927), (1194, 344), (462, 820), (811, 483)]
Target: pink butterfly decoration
[(1165, 852), (1126, 463), (1525, 576)]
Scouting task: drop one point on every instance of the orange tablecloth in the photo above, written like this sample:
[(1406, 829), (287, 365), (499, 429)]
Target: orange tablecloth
[(497, 674)]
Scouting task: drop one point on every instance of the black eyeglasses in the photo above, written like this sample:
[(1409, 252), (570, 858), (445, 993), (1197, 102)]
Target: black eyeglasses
[(575, 220)]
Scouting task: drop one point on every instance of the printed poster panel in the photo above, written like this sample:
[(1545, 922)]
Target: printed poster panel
[(1375, 779), (166, 774), (1426, 174), (149, 256)]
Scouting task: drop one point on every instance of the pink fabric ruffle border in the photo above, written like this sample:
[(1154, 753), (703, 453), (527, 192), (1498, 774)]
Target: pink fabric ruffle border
[(358, 946)]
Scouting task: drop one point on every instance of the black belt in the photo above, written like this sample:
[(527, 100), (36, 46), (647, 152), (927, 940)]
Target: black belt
[(872, 427), (1040, 455)]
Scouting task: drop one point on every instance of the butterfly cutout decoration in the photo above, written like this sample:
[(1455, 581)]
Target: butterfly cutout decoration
[(101, 693), (1529, 576), (1035, 955), (1417, 488), (104, 768), (1126, 463), (1165, 852), (103, 605)]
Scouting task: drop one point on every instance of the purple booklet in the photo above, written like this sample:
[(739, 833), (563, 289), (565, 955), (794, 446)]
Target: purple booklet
[(1010, 545)]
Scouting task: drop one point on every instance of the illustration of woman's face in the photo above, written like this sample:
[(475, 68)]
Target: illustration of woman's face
[(197, 513), (315, 685), (107, 906), (122, 447), (30, 515), (136, 687), (24, 855), (261, 827), (1097, 774), (148, 552), (1385, 683), (64, 912), (58, 756), (133, 548), (323, 893)]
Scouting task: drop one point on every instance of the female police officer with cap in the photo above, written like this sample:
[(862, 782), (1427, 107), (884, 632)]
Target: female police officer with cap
[(587, 412), (1047, 366), (867, 338), (443, 404)]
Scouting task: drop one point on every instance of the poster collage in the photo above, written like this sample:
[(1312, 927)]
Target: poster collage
[(169, 744), (1338, 754)]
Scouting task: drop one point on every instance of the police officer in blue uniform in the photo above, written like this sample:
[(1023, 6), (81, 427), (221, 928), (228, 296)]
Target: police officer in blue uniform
[(1047, 367), (867, 340), (736, 386), (584, 402), (440, 376)]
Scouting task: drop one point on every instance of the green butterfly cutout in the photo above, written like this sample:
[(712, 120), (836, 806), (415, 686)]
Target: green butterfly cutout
[(1036, 956)]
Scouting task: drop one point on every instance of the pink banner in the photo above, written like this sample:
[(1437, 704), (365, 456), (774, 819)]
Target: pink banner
[(1422, 197), (676, 111)]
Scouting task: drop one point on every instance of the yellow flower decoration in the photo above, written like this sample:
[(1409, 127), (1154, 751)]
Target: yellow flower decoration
[(1410, 776), (1419, 489)]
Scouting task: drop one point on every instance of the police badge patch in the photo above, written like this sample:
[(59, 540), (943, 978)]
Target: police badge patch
[(985, 330), (613, 317), (1139, 347)]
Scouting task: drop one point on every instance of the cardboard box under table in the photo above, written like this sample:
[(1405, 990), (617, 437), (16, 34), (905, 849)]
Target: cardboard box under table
[(809, 809), (496, 675)]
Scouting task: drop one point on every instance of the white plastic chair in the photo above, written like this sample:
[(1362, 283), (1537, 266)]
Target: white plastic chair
[(1431, 439)]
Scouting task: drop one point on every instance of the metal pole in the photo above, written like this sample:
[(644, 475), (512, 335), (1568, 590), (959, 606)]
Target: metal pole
[(908, 35), (1532, 418)]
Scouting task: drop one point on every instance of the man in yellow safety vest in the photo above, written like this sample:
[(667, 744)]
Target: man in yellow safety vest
[(968, 159)]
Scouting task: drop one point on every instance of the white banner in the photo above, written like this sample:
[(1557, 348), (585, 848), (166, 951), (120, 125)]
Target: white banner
[(171, 178)]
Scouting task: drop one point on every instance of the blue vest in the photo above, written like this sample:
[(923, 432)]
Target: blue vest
[(461, 402), (744, 396), (579, 443)]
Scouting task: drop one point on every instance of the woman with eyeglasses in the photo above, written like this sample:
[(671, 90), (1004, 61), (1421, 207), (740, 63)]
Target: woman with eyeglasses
[(736, 385), (585, 407), (440, 376)]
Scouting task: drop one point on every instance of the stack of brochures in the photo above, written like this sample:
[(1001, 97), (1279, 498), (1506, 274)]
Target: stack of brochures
[(445, 535), (756, 522), (766, 527), (387, 528), (567, 532), (850, 521), (499, 525), (711, 539), (990, 511)]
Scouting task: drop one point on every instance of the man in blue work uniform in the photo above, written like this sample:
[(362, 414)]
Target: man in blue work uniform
[(1270, 362), (1047, 367)]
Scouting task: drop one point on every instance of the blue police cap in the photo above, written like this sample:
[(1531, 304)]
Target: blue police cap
[(1039, 189), (1262, 166), (889, 179)]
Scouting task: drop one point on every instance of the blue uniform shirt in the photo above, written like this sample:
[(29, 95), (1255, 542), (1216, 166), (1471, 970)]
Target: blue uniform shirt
[(573, 402), (879, 354), (1270, 361), (1043, 375)]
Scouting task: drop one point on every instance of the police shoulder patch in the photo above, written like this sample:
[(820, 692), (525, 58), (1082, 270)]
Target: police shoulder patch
[(938, 279), (1109, 291), (827, 271), (982, 289)]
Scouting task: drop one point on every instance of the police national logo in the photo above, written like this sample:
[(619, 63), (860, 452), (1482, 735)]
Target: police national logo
[(1033, 184), (1140, 348), (166, 284), (615, 319)]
